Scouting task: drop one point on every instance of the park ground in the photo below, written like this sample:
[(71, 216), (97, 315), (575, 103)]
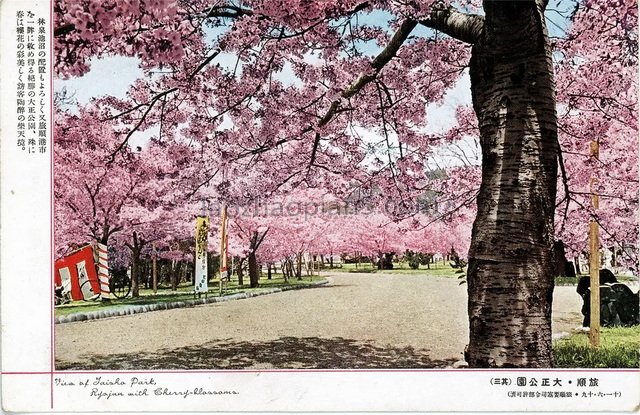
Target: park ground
[(359, 320)]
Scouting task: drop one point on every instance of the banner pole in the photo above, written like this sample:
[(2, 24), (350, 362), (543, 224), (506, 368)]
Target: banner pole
[(223, 246), (155, 270), (594, 260)]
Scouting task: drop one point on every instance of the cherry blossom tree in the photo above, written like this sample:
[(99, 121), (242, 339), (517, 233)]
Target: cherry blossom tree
[(90, 194), (597, 94), (130, 201), (268, 132), (158, 214)]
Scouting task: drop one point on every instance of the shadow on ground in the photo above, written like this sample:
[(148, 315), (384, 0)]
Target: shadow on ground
[(283, 353)]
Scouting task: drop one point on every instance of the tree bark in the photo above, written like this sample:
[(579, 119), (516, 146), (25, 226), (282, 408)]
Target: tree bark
[(254, 272), (135, 277), (145, 274), (559, 259), (299, 265), (165, 272), (174, 275), (239, 271), (136, 248), (254, 268), (287, 269), (180, 268), (510, 275)]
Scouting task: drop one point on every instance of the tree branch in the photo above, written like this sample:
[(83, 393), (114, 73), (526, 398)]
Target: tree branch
[(204, 63), (112, 157), (151, 102), (461, 26), (382, 59), (230, 11), (316, 142), (259, 241), (63, 30), (377, 64)]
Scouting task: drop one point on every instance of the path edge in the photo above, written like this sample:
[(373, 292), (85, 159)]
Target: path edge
[(137, 309)]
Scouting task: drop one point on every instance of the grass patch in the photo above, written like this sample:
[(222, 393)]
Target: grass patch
[(184, 292), (114, 304), (620, 348), (402, 268), (367, 269)]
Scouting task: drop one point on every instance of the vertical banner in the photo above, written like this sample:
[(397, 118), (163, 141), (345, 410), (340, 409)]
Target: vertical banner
[(202, 232), (103, 270)]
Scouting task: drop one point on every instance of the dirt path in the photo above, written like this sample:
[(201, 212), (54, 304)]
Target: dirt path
[(357, 321)]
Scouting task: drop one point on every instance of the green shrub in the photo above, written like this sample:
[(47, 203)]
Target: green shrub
[(414, 262)]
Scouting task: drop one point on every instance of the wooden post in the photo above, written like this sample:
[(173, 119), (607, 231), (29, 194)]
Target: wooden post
[(594, 261), (223, 246), (155, 270)]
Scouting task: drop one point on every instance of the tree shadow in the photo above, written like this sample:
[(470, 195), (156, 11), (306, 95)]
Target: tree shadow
[(282, 353), (334, 285)]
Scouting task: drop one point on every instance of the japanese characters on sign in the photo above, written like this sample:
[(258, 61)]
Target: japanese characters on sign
[(202, 233), (32, 84)]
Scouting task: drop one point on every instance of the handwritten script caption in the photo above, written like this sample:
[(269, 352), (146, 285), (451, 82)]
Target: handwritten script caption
[(112, 387)]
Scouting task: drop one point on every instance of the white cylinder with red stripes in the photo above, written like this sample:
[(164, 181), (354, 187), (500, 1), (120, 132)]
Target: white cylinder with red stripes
[(103, 270)]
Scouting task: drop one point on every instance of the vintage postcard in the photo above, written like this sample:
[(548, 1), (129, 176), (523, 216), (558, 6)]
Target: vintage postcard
[(319, 206)]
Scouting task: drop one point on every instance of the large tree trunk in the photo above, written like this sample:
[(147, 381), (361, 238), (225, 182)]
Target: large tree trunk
[(510, 275)]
